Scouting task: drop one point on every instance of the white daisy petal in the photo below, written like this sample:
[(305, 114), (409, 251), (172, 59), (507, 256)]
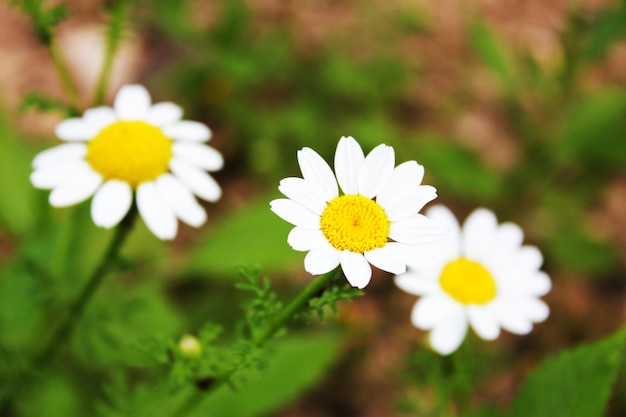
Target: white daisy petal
[(450, 247), (132, 102), (409, 202), (50, 176), (416, 283), (376, 170), (529, 258), (509, 237), (406, 177), (321, 260), (449, 334), (155, 212), (200, 155), (295, 213), (483, 323), (181, 200), (388, 258), (479, 231), (187, 130), (301, 191), (75, 189), (111, 203), (302, 239), (539, 284), (164, 113), (417, 230), (415, 257), (356, 269), (76, 129), (100, 117), (348, 160), (432, 310), (198, 181), (535, 309), (61, 154), (516, 325), (317, 173)]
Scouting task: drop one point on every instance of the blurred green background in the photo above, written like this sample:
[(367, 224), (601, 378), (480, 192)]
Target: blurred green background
[(515, 106)]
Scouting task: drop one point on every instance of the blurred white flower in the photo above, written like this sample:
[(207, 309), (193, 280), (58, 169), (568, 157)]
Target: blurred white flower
[(375, 221), (133, 148), (484, 277)]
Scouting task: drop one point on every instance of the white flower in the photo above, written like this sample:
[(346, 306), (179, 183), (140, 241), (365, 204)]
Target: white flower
[(375, 221), (134, 147), (484, 277)]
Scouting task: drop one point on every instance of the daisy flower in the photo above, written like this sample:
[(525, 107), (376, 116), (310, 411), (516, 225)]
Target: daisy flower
[(484, 278), (135, 148), (375, 221)]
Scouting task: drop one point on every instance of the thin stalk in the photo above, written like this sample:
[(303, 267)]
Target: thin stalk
[(117, 16), (71, 92), (287, 313), (103, 77), (278, 322), (75, 312)]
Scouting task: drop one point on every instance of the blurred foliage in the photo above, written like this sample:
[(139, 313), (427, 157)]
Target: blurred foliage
[(44, 19)]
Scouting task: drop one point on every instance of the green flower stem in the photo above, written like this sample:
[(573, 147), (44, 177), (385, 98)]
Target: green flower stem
[(276, 323), (76, 310), (103, 77), (67, 82), (117, 15), (280, 320)]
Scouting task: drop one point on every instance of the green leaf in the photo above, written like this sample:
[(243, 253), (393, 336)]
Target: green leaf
[(251, 236), (55, 397), (297, 363), (44, 103), (605, 30), (494, 54), (574, 250), (575, 383), (593, 130), (117, 322)]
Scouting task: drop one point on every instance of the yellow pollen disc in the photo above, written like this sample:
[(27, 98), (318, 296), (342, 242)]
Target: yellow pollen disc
[(468, 282), (355, 223), (130, 151)]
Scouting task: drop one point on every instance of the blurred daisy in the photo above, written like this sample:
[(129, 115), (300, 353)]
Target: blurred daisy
[(375, 221), (133, 148), (484, 277)]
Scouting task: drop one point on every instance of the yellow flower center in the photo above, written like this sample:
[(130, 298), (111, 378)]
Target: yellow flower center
[(355, 223), (130, 151), (468, 282)]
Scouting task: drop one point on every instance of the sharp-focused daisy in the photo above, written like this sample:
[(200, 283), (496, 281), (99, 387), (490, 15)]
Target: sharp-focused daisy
[(484, 277), (134, 147), (375, 221)]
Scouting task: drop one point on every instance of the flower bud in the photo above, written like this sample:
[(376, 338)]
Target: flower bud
[(190, 346)]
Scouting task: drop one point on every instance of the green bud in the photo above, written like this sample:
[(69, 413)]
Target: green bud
[(190, 346)]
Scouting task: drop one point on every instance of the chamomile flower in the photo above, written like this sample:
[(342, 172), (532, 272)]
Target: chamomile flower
[(135, 148), (374, 221), (484, 278)]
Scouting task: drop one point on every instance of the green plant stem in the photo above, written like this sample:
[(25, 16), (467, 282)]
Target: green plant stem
[(276, 323), (75, 312), (103, 77), (280, 320), (67, 82), (117, 17)]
